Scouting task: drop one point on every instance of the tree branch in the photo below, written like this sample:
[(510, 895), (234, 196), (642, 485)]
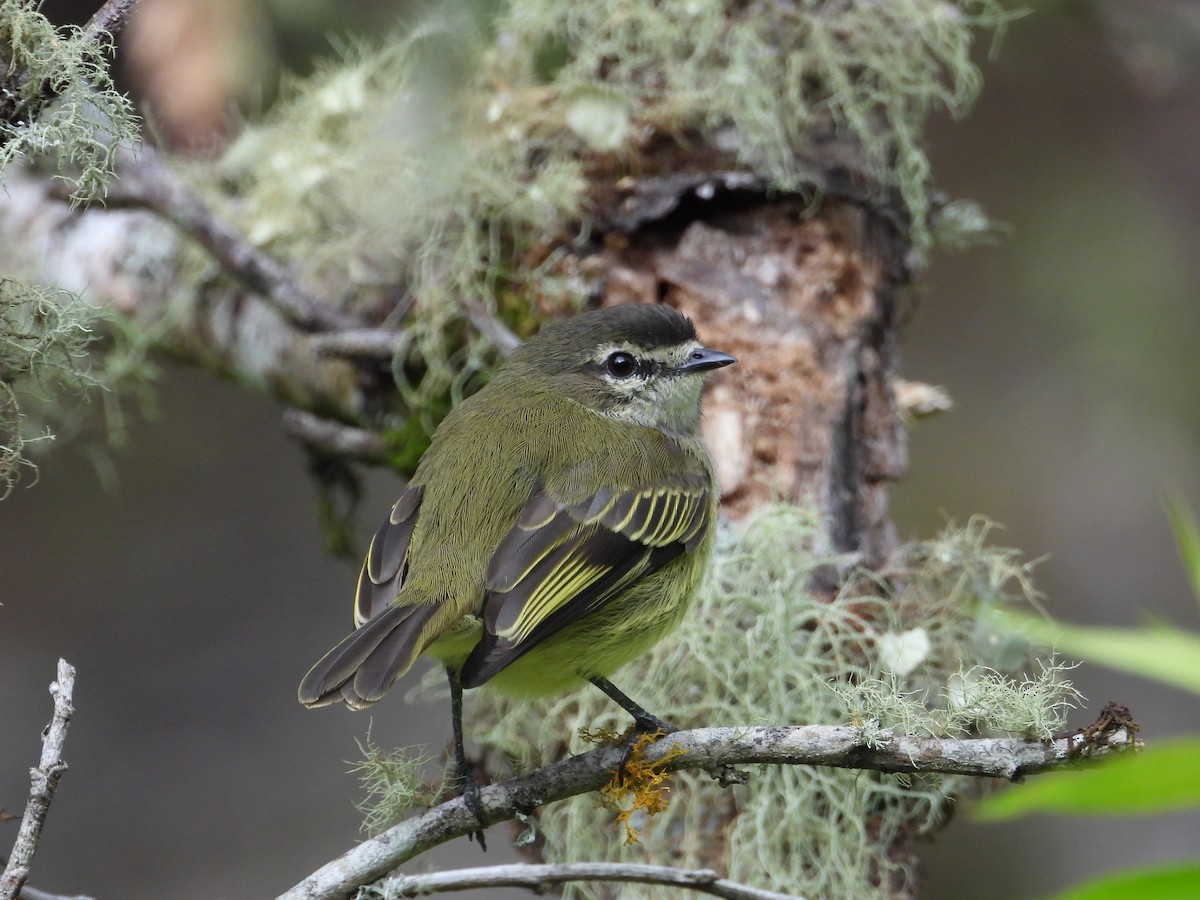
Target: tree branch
[(360, 343), (538, 878), (708, 749), (108, 19), (335, 438), (148, 182), (43, 782), (29, 893)]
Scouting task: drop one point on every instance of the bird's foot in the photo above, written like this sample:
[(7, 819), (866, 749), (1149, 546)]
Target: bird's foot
[(648, 724), (468, 789)]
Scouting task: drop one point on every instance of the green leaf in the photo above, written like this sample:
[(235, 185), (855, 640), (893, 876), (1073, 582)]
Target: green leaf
[(1174, 881), (1187, 533), (1162, 778), (1161, 652)]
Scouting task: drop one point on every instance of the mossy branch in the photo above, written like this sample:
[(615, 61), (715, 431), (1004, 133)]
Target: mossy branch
[(148, 182), (57, 100), (108, 19), (707, 749)]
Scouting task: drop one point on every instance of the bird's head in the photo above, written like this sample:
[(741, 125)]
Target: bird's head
[(638, 362)]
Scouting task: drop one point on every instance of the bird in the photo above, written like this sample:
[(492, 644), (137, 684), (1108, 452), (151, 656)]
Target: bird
[(556, 528)]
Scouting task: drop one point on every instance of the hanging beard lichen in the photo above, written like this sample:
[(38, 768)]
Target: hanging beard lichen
[(758, 649), (460, 164)]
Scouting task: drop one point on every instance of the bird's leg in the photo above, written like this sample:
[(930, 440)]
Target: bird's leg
[(643, 722), (466, 782)]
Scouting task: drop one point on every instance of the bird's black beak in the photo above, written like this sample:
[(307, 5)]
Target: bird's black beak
[(702, 359)]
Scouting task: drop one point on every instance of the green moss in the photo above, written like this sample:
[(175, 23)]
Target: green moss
[(408, 443)]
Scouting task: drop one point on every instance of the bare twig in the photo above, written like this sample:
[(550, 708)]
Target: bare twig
[(492, 328), (539, 877), (29, 893), (108, 19), (43, 782), (148, 182), (336, 438), (379, 344), (706, 749), (360, 343)]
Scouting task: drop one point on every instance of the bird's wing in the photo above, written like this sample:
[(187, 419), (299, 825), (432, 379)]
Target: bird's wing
[(361, 668), (564, 559), (386, 566)]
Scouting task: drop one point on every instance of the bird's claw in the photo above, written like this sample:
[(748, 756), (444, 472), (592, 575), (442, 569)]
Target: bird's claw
[(648, 724), (469, 791)]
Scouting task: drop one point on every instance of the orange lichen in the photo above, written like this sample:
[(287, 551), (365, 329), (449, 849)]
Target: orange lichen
[(638, 784)]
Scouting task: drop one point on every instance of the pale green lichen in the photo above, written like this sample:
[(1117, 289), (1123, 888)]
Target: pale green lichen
[(393, 782), (57, 101), (44, 336), (455, 160), (765, 79), (57, 108), (381, 171), (975, 700), (52, 381), (757, 648)]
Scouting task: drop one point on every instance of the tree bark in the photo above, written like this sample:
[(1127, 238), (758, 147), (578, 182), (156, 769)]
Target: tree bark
[(805, 298)]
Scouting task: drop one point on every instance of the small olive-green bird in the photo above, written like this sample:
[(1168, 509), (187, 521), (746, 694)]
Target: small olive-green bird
[(556, 528)]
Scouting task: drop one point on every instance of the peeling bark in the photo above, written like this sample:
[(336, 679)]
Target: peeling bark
[(805, 301)]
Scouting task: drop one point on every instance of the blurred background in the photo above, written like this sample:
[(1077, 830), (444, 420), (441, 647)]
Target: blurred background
[(193, 592)]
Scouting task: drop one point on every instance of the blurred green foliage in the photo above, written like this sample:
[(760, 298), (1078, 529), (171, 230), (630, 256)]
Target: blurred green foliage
[(1162, 779)]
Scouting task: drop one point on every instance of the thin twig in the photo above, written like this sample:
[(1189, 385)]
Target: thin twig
[(491, 328), (360, 343), (706, 749), (148, 182), (29, 893), (108, 19), (538, 878), (43, 782), (372, 343), (336, 438)]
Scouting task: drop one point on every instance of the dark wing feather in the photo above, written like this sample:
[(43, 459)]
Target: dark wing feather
[(386, 565), (388, 638), (564, 560), (363, 666)]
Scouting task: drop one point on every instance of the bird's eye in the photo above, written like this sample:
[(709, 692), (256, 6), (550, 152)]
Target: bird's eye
[(621, 364)]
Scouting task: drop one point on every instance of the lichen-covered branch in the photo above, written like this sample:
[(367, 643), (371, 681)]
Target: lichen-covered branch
[(108, 19), (43, 783), (539, 878), (135, 263), (147, 181), (708, 749), (57, 100)]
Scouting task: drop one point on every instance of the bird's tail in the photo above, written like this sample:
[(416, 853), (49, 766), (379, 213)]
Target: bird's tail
[(360, 669)]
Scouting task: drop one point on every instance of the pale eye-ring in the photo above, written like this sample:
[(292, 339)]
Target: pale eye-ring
[(621, 364)]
